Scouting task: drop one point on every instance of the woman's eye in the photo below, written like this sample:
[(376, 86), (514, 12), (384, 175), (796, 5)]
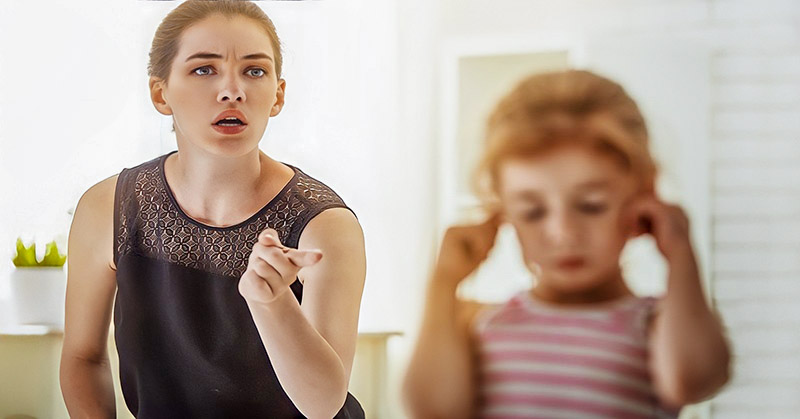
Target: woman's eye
[(592, 207), (202, 71), (259, 72)]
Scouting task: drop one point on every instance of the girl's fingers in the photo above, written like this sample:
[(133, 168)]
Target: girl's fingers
[(485, 231), (667, 223), (475, 240), (493, 221)]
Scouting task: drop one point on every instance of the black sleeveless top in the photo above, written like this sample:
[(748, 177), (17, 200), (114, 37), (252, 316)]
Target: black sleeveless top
[(188, 346)]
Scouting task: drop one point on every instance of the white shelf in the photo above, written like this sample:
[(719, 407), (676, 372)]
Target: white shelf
[(29, 330)]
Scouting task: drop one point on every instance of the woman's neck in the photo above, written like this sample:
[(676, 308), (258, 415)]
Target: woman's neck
[(223, 191)]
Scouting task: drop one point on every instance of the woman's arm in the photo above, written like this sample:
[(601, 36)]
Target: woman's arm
[(85, 373), (311, 347), (689, 354), (441, 382)]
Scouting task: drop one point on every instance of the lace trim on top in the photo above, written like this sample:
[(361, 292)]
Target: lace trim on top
[(150, 223)]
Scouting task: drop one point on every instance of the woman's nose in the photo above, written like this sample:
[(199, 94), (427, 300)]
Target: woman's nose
[(231, 90)]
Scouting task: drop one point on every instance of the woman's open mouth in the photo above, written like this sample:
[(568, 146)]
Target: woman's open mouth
[(229, 126), (230, 121)]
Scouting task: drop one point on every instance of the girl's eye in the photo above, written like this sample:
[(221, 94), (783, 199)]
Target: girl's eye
[(534, 214), (202, 71), (260, 72), (592, 208)]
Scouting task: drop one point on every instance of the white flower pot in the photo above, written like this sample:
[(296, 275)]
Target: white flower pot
[(38, 295)]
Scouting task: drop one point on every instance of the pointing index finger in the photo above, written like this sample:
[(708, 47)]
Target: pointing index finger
[(300, 258)]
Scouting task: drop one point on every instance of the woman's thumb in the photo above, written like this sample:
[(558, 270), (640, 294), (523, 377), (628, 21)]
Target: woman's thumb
[(303, 258)]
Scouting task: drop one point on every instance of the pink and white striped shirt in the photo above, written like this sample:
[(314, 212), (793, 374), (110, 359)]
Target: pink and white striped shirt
[(539, 360)]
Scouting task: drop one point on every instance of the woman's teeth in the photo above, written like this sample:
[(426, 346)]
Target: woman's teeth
[(229, 122)]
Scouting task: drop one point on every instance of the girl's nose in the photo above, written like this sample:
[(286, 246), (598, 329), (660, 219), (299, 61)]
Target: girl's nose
[(562, 230)]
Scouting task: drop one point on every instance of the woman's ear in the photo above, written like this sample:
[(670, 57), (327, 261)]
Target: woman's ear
[(279, 98), (157, 95)]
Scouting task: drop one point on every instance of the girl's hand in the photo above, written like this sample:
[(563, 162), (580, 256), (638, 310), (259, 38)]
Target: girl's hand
[(667, 223), (464, 248), (272, 267)]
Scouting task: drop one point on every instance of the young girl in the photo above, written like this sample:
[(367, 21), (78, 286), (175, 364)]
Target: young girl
[(235, 279), (568, 166)]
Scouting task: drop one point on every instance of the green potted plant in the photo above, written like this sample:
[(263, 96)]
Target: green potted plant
[(38, 287)]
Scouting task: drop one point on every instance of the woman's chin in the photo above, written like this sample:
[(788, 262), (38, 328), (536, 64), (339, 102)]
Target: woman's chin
[(230, 147)]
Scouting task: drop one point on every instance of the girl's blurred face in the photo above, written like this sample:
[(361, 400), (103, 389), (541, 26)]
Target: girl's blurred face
[(566, 206), (223, 64)]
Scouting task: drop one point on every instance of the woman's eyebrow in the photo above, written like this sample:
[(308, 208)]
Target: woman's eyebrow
[(211, 55), (256, 56)]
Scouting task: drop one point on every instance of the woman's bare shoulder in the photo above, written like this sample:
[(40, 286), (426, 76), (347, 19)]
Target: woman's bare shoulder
[(100, 193), (97, 202), (93, 224)]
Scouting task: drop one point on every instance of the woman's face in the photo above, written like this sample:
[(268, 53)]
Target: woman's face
[(222, 64), (566, 206)]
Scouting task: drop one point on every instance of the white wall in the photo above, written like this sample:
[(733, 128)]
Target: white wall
[(70, 109)]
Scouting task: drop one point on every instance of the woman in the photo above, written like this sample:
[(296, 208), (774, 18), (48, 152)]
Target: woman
[(235, 279)]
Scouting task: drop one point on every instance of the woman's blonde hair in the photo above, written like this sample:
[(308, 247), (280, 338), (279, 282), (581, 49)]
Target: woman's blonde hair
[(550, 109), (166, 40)]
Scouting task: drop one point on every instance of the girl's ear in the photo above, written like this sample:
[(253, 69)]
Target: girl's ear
[(635, 220), (157, 96), (642, 225)]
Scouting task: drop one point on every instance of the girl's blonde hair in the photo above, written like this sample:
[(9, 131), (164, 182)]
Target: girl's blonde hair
[(166, 40), (573, 106)]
